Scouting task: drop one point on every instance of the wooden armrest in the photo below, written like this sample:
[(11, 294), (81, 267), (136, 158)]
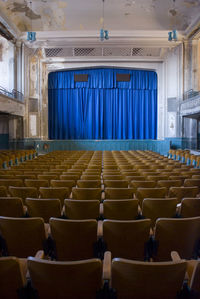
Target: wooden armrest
[(191, 266), (100, 229), (175, 256), (103, 195), (24, 269), (40, 254), (24, 209), (101, 209), (107, 266)]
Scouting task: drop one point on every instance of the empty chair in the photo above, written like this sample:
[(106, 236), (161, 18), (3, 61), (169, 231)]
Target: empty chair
[(157, 178), (79, 279), (181, 192), (113, 177), (82, 209), (48, 177), (74, 239), (181, 235), (55, 192), (127, 239), (23, 236), (69, 177), (63, 183), (12, 277), (44, 208), (116, 183), (134, 279), (150, 193), (11, 207), (154, 208), (190, 207), (91, 177), (142, 184), (86, 193), (118, 193), (169, 183), (23, 192), (36, 183), (135, 178), (192, 183), (89, 183), (11, 182), (196, 176), (26, 176), (3, 191), (126, 209)]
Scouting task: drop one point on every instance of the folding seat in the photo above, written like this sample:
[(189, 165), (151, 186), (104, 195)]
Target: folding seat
[(48, 177), (55, 192), (111, 172), (169, 183), (63, 183), (130, 173), (113, 177), (135, 178), (190, 207), (86, 193), (192, 183), (12, 277), (11, 182), (157, 178), (176, 234), (178, 177), (142, 184), (196, 176), (36, 183), (181, 192), (126, 209), (82, 209), (3, 191), (116, 183), (92, 172), (127, 239), (79, 279), (44, 208), (25, 176), (23, 192), (143, 193), (11, 207), (23, 236), (74, 239), (141, 280), (89, 183), (118, 193), (154, 208), (69, 177), (90, 177)]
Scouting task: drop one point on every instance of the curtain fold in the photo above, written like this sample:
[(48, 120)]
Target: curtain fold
[(102, 108)]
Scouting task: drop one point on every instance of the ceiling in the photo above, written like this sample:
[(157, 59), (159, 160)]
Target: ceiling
[(76, 15)]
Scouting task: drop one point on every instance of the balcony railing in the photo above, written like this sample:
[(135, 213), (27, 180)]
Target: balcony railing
[(15, 94)]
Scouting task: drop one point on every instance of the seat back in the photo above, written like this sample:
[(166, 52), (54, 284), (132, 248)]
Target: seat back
[(44, 208), (118, 193), (150, 193), (11, 182), (126, 239), (23, 192), (86, 193), (55, 192), (154, 208), (126, 209), (74, 239), (3, 191), (80, 279), (63, 183), (181, 235), (169, 183), (11, 277), (190, 207), (11, 207), (36, 183), (142, 184), (116, 183), (133, 279), (23, 236), (89, 183), (181, 192), (82, 209)]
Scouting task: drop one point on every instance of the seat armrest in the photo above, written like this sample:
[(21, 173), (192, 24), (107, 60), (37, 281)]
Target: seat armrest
[(107, 266), (101, 209), (100, 229), (40, 254)]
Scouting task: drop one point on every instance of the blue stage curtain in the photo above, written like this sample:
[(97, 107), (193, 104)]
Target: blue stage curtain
[(102, 108)]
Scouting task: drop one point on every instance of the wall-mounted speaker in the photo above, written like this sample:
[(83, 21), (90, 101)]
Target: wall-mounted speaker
[(123, 77), (80, 77)]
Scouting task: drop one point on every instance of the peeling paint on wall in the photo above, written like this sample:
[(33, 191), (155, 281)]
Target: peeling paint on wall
[(19, 7)]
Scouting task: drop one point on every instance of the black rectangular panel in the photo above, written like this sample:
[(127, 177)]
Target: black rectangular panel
[(80, 77), (123, 77)]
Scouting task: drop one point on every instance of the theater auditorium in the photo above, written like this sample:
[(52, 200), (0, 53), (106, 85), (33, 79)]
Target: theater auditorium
[(100, 149)]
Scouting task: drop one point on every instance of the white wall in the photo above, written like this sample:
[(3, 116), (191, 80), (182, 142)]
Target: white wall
[(7, 64)]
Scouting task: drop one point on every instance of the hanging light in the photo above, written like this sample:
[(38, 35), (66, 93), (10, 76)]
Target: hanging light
[(104, 34), (172, 35), (31, 36)]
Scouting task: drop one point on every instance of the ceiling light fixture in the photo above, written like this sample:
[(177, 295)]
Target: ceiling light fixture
[(172, 35), (31, 36), (104, 34)]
